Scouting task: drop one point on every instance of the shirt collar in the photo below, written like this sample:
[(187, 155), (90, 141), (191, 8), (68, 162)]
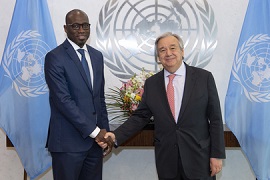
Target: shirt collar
[(181, 71), (75, 46)]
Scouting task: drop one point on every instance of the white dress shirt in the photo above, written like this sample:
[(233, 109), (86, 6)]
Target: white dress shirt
[(178, 84), (87, 56)]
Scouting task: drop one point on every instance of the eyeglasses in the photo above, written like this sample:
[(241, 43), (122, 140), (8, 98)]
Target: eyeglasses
[(76, 26)]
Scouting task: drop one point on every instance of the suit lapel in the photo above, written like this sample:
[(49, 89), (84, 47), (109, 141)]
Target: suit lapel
[(74, 57), (94, 65), (189, 84)]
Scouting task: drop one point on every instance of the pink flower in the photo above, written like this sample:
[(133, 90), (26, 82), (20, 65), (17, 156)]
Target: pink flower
[(140, 91)]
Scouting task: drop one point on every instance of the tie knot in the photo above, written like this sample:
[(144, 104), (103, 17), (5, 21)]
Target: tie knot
[(171, 76), (81, 51)]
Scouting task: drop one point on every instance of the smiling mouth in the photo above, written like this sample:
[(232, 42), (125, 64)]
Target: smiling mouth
[(170, 59), (81, 36)]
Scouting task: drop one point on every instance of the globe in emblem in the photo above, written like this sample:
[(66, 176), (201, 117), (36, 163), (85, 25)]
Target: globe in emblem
[(143, 22), (255, 69), (24, 61), (126, 33), (27, 64)]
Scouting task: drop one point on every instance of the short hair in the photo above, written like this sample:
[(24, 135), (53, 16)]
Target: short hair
[(180, 41), (73, 11)]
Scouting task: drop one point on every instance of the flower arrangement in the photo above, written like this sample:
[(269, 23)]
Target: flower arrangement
[(121, 102)]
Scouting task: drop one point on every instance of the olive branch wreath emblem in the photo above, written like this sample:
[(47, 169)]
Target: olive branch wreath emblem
[(7, 59), (239, 57), (201, 59)]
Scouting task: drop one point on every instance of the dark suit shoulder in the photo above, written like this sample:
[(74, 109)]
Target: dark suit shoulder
[(197, 69), (197, 72), (56, 53), (93, 50), (59, 49), (156, 76)]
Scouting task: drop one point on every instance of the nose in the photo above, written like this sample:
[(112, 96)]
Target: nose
[(81, 28), (168, 52)]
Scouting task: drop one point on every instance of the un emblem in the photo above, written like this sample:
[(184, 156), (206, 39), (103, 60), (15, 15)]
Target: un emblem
[(251, 68), (126, 32), (23, 63)]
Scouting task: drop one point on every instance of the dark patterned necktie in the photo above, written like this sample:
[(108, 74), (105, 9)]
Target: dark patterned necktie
[(85, 66)]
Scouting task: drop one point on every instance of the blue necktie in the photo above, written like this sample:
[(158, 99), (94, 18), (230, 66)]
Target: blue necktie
[(85, 66)]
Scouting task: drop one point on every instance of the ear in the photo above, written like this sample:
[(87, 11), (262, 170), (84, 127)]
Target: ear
[(157, 59), (65, 28)]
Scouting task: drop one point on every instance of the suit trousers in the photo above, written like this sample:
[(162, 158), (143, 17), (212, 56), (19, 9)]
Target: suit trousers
[(78, 165), (181, 174)]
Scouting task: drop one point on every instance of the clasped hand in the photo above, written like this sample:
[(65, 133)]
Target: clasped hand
[(106, 141)]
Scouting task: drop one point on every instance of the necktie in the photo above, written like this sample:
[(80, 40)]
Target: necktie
[(85, 66), (170, 93)]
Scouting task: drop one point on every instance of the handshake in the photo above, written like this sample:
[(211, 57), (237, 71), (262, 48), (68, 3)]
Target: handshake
[(106, 141)]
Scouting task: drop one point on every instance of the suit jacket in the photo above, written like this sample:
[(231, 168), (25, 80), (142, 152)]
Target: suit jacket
[(198, 134), (76, 108)]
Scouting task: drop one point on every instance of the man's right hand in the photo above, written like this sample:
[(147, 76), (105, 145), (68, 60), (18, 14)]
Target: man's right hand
[(108, 149), (107, 143), (100, 136)]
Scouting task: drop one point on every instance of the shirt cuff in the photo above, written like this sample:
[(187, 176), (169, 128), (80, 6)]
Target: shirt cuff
[(95, 133)]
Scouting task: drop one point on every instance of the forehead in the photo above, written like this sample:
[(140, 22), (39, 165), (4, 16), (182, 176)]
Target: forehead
[(77, 17), (167, 41)]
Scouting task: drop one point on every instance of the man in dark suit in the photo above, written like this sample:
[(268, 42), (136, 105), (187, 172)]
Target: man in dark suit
[(78, 109), (189, 139)]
